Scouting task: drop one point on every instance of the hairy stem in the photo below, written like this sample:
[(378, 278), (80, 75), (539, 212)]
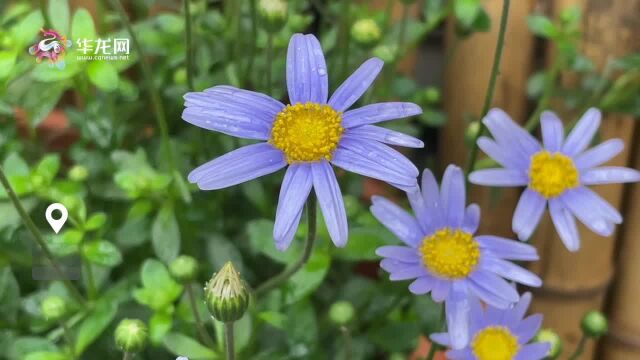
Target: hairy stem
[(229, 340), (279, 279), (492, 83), (204, 335), (26, 219)]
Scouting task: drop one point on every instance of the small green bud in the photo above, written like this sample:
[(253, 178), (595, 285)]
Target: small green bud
[(131, 335), (78, 173), (594, 324), (551, 337), (184, 268), (366, 32), (386, 53), (273, 14), (472, 131), (226, 295), (180, 76), (432, 95), (53, 308), (341, 312)]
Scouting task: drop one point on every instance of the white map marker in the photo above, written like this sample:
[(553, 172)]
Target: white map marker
[(56, 224)]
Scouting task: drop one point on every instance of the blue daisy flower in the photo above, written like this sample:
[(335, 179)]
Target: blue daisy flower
[(309, 135), (557, 173), (499, 334), (444, 257)]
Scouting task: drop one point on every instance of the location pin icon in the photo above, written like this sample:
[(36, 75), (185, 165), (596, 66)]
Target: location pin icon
[(56, 224)]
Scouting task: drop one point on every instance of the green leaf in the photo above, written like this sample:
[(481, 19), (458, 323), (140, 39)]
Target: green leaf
[(261, 238), (102, 252), (14, 165), (165, 234), (159, 289), (95, 221), (7, 60), (243, 328), (28, 344), (362, 244), (94, 325), (59, 15), (9, 294), (103, 75), (46, 355), (309, 278), (466, 11), (82, 26), (48, 168), (396, 336), (302, 325), (542, 26), (535, 84), (26, 31), (46, 74), (159, 325), (273, 318), (182, 345)]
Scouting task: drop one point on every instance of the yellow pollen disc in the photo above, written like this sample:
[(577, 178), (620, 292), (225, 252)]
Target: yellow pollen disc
[(307, 132), (452, 254), (552, 174), (495, 343)]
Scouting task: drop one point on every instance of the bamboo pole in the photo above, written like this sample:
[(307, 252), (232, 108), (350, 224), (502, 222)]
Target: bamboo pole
[(466, 78), (575, 283)]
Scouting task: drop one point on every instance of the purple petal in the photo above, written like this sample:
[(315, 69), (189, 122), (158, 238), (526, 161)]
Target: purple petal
[(507, 249), (356, 85), (497, 292), (392, 265), (383, 135), (535, 351), (398, 221), (422, 285), (431, 195), (565, 225), (374, 113), (420, 209), (330, 200), (499, 177), (516, 314), (510, 135), (591, 210), (440, 290), (294, 192), (457, 310), (552, 131), (528, 213), (307, 79), (510, 271), (401, 253), (227, 122), (599, 154), (501, 154), (582, 134), (452, 194), (471, 218), (609, 175), (441, 338), (236, 100), (240, 165), (462, 354), (375, 160), (527, 329), (408, 272)]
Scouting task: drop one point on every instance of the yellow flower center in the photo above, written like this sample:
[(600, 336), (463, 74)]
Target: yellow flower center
[(452, 254), (552, 174), (495, 343), (307, 132)]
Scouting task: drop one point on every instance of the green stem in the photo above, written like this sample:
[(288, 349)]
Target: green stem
[(204, 335), (492, 83), (348, 347), (580, 348), (277, 280), (432, 351), (127, 356), (91, 283), (229, 341), (254, 38), (68, 338), (269, 60), (26, 219), (403, 27), (549, 88), (156, 101), (189, 58)]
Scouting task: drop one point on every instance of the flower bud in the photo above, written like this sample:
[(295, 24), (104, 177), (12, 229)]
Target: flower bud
[(78, 173), (432, 95), (366, 32), (551, 337), (386, 53), (53, 308), (180, 76), (184, 268), (472, 131), (594, 324), (273, 14), (131, 335), (341, 312), (226, 295)]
